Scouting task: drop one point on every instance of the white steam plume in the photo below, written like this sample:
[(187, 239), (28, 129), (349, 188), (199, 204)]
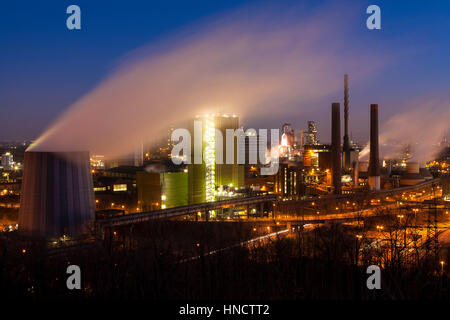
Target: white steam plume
[(245, 63), (422, 126)]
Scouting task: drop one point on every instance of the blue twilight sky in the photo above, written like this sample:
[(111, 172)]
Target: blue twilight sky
[(44, 67)]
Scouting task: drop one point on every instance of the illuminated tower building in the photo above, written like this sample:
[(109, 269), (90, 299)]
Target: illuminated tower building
[(311, 146), (311, 134), (207, 178), (287, 135), (7, 161), (287, 131)]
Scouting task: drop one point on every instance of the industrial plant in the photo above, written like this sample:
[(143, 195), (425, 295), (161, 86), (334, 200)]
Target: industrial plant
[(241, 160), (69, 198)]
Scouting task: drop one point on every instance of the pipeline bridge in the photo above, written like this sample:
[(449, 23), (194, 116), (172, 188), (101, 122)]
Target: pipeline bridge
[(277, 206), (194, 209), (327, 203)]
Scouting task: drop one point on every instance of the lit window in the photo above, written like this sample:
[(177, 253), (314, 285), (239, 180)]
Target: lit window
[(119, 187)]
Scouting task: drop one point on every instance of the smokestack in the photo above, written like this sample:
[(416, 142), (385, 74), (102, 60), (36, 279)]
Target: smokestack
[(336, 146), (346, 139), (374, 162), (57, 195)]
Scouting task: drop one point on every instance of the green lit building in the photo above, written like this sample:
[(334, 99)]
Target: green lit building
[(206, 179), (161, 190), (174, 189)]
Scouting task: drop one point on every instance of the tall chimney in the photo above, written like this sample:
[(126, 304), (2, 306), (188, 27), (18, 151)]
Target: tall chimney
[(336, 146), (346, 139), (374, 161)]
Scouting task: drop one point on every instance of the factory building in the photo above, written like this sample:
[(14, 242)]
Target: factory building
[(290, 148), (310, 135), (334, 167), (7, 161), (161, 190), (446, 187), (149, 190), (255, 183), (130, 189), (289, 180), (209, 181), (115, 189), (313, 155)]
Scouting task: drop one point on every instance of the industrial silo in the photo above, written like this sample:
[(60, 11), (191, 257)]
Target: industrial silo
[(411, 176), (57, 196)]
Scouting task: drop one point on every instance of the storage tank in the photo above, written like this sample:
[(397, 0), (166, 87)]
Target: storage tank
[(411, 175), (363, 166), (412, 167), (57, 195)]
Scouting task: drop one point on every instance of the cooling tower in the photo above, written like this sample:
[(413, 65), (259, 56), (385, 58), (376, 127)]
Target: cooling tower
[(374, 162), (57, 196), (336, 146)]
